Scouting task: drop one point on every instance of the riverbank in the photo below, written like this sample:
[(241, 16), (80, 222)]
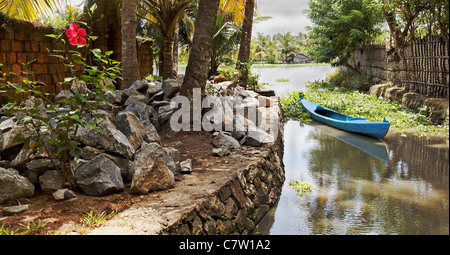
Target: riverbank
[(221, 194), (371, 107)]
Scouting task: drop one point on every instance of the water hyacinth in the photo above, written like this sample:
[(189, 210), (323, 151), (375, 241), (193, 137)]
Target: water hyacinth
[(358, 104)]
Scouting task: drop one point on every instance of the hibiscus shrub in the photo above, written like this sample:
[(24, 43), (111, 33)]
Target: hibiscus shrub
[(53, 122)]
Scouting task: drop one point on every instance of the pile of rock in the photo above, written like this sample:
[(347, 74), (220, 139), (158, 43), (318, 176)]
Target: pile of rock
[(129, 147), (251, 119), (127, 150)]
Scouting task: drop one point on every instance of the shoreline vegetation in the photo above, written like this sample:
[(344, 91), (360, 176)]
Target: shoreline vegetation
[(358, 104)]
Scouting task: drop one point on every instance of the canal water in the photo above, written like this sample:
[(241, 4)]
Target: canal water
[(361, 186)]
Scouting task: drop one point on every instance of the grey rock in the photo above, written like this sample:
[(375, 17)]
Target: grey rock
[(170, 88), (141, 110), (9, 130), (112, 98), (165, 112), (89, 152), (173, 159), (151, 172), (186, 166), (221, 152), (256, 137), (140, 86), (157, 96), (68, 194), (41, 165), (131, 127), (99, 176), (59, 194), (230, 142), (14, 186), (51, 181), (64, 94), (11, 210), (152, 90), (151, 134), (115, 141), (136, 98), (62, 194)]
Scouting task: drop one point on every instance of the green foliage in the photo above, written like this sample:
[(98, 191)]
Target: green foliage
[(231, 73), (32, 227), (278, 47), (92, 219), (282, 80), (301, 188), (53, 125), (62, 19), (358, 104), (339, 27)]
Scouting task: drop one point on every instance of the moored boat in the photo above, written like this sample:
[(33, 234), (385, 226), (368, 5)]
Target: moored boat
[(344, 122)]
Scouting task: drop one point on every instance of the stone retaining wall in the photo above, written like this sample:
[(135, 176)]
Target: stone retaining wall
[(230, 198), (437, 109), (239, 205)]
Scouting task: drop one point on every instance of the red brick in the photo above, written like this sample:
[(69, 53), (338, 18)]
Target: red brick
[(5, 45), (34, 47), (39, 68), (21, 57), (16, 68), (2, 57), (17, 46), (11, 58), (19, 35), (42, 58)]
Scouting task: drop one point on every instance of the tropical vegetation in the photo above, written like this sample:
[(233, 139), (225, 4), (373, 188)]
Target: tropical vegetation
[(358, 104)]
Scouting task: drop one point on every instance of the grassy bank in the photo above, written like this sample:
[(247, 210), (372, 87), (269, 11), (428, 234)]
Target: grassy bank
[(358, 104)]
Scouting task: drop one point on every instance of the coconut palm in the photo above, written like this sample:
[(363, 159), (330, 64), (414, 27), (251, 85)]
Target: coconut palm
[(166, 14), (246, 39), (30, 10), (130, 67), (200, 55), (226, 39)]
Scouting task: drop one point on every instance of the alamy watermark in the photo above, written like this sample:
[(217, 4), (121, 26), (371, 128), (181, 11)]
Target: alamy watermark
[(250, 116)]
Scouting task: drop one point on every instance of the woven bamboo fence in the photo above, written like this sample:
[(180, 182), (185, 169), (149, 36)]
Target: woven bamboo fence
[(421, 66)]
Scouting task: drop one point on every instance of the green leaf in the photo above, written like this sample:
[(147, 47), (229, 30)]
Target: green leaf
[(97, 53)]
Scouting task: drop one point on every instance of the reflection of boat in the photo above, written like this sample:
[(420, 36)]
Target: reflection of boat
[(344, 122), (373, 147)]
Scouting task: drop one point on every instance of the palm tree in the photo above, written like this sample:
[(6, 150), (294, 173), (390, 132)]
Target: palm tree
[(130, 67), (199, 57), (30, 10), (226, 39), (166, 14), (246, 39)]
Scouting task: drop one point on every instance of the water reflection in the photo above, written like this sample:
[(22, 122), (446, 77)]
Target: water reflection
[(356, 192)]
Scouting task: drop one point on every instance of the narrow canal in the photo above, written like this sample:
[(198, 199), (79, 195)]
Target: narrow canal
[(360, 185)]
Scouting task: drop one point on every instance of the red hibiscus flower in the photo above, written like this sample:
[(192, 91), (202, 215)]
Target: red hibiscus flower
[(76, 35)]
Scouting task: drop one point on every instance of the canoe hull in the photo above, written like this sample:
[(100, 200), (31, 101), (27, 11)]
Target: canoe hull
[(344, 122)]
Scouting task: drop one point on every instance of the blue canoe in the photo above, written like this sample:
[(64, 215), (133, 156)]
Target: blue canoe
[(344, 122)]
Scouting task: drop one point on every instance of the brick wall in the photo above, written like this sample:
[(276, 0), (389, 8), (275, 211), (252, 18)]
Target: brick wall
[(21, 42)]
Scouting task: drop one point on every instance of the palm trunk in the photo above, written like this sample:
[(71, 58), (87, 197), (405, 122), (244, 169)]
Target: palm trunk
[(175, 51), (199, 57), (246, 39), (168, 57), (130, 67)]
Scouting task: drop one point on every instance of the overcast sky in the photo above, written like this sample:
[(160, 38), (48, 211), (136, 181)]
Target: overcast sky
[(286, 16)]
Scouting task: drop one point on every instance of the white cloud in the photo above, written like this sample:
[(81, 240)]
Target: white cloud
[(287, 16)]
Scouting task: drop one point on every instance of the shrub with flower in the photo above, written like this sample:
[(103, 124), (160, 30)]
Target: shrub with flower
[(58, 136), (76, 35)]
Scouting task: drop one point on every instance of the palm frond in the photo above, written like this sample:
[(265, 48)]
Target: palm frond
[(30, 10)]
